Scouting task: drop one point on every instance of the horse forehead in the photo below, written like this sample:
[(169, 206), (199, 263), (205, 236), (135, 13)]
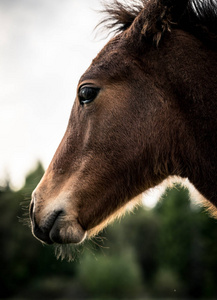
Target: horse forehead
[(111, 62)]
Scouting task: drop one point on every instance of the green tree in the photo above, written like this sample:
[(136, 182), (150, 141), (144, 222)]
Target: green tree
[(138, 231), (186, 246), (109, 276)]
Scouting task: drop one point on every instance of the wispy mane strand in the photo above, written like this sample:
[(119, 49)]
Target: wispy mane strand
[(120, 15)]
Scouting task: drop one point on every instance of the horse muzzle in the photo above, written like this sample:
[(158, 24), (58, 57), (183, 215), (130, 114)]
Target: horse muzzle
[(55, 225)]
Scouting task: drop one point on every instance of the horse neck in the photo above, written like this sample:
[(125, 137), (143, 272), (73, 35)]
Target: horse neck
[(194, 79)]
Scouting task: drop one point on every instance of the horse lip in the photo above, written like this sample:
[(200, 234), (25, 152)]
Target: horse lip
[(31, 211), (54, 228), (43, 233), (41, 236)]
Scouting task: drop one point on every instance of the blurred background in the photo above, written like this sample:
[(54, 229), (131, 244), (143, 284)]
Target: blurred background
[(45, 46), (166, 251)]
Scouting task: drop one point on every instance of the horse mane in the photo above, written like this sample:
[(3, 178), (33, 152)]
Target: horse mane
[(198, 17)]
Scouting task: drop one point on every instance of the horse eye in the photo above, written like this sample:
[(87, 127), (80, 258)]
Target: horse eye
[(87, 94)]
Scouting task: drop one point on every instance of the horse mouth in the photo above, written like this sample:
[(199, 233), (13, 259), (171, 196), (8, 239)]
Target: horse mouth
[(57, 228)]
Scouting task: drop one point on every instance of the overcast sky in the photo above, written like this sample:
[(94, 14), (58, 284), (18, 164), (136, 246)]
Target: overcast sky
[(45, 46)]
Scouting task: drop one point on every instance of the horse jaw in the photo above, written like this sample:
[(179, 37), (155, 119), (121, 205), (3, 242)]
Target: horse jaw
[(128, 207)]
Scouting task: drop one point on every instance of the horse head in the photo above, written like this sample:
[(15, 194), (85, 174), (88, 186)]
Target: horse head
[(133, 124)]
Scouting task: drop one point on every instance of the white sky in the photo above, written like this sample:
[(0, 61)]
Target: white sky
[(45, 46)]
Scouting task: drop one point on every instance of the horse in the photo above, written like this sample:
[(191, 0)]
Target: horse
[(145, 112)]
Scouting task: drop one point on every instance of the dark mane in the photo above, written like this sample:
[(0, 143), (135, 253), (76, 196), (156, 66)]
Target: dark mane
[(199, 17)]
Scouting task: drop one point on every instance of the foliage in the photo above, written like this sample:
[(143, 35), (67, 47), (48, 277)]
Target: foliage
[(167, 252), (111, 276)]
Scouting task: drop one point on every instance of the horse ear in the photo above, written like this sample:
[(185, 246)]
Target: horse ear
[(159, 17), (175, 7)]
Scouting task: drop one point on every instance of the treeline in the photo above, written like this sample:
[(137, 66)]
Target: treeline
[(167, 252)]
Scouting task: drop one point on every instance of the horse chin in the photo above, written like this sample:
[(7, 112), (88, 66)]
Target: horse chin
[(69, 233)]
